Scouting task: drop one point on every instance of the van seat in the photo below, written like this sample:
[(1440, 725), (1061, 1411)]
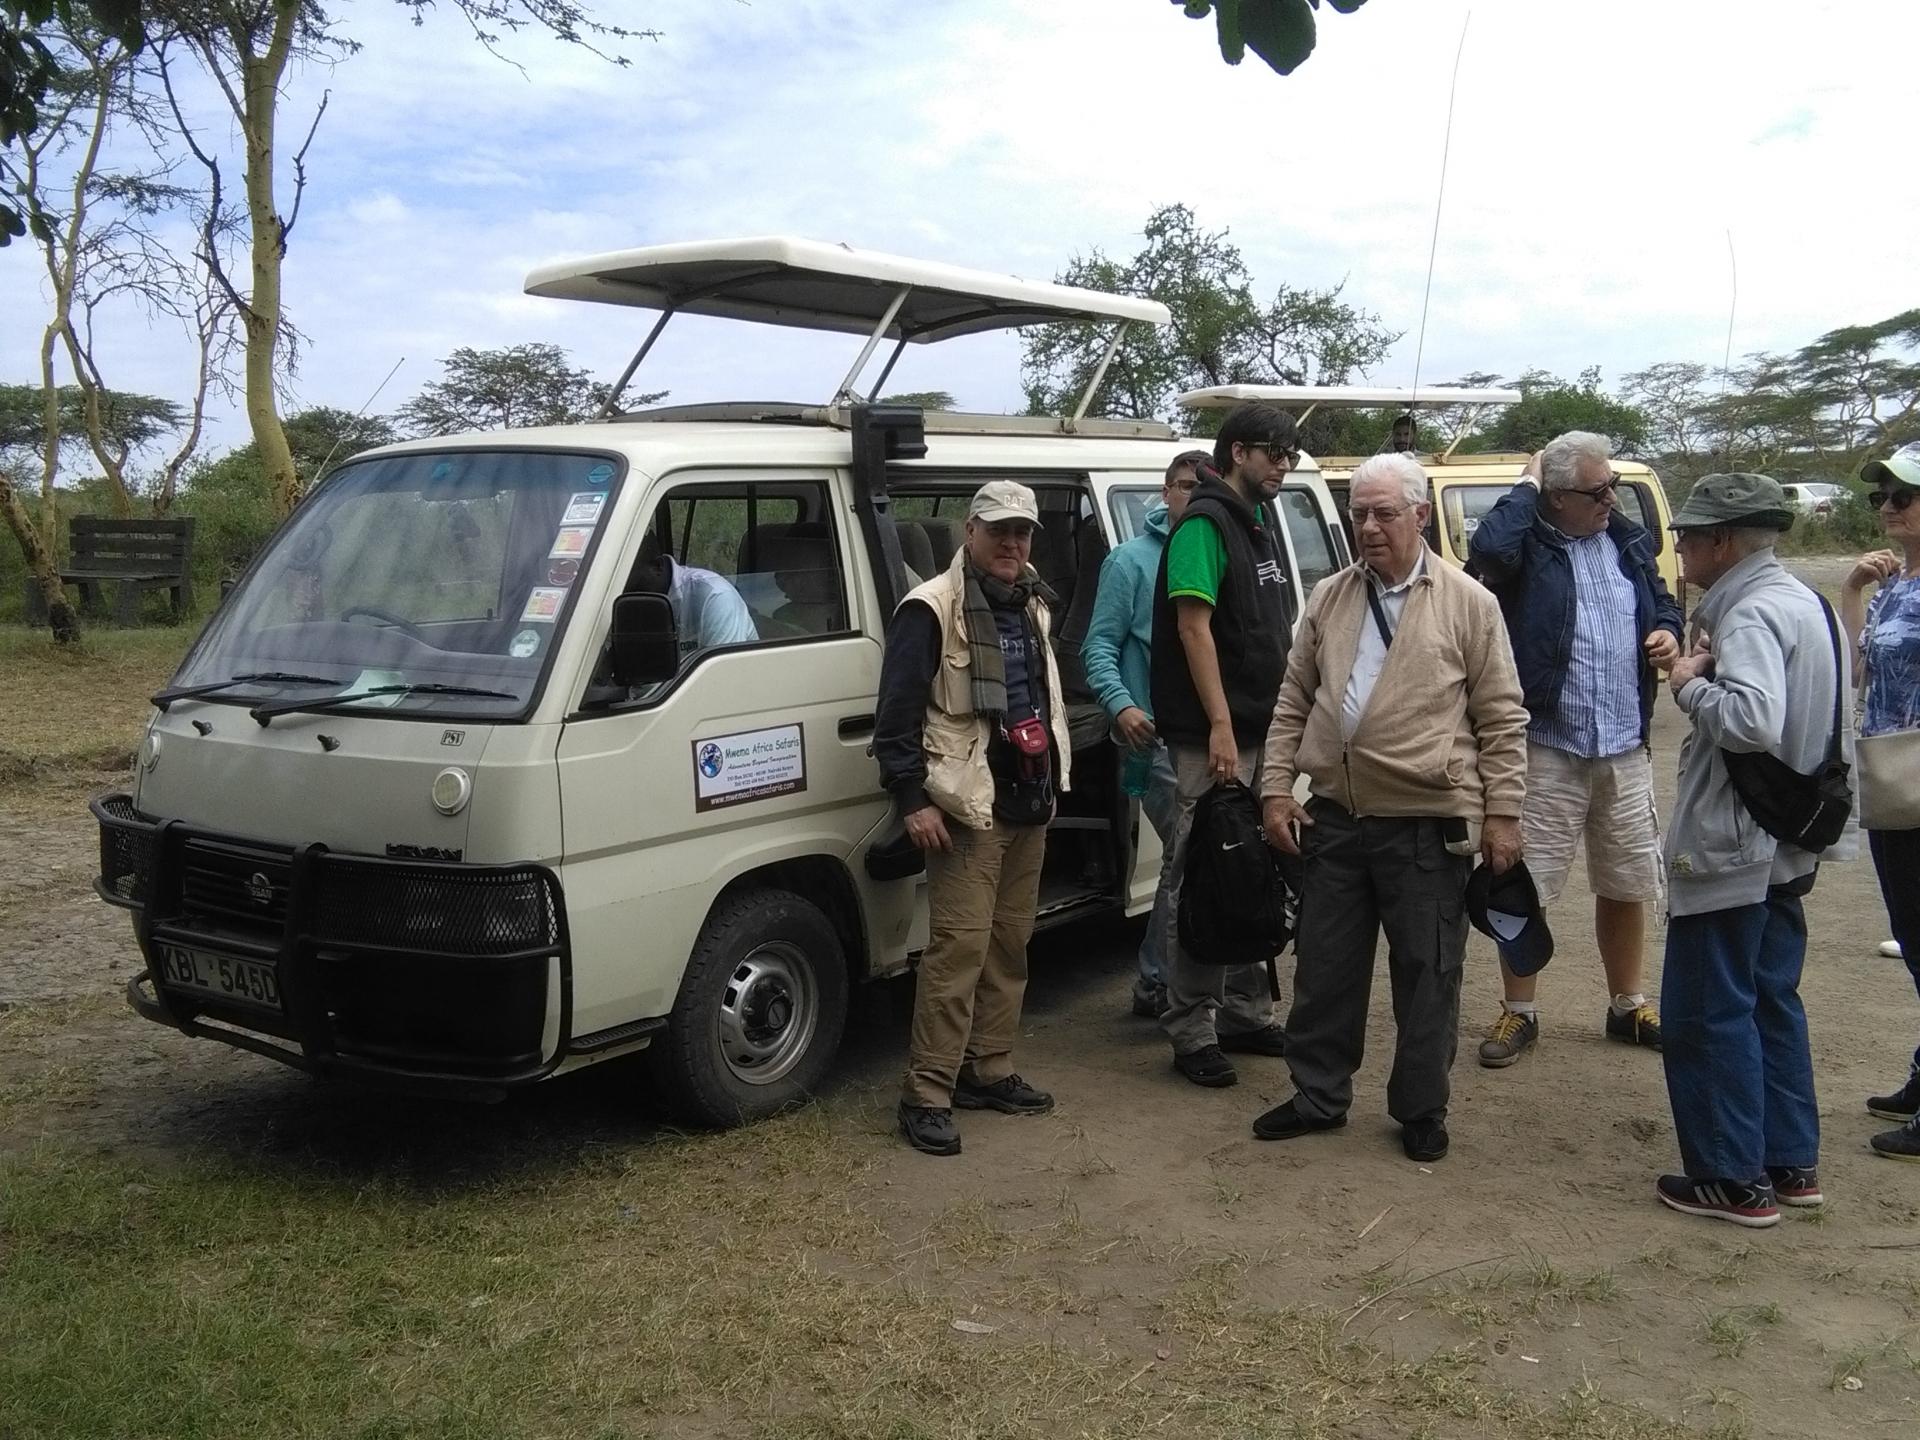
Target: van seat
[(803, 566), (916, 549)]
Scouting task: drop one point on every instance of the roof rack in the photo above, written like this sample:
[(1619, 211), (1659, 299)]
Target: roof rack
[(1353, 397), (944, 422), (778, 280)]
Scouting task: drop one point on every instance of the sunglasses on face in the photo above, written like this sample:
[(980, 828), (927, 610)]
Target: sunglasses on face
[(1898, 499), (1599, 492), (1276, 452)]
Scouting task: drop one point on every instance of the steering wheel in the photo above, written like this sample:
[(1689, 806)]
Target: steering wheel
[(387, 617)]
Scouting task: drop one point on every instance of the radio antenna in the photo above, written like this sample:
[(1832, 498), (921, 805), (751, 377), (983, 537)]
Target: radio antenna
[(358, 413), (1439, 200), (1726, 362)]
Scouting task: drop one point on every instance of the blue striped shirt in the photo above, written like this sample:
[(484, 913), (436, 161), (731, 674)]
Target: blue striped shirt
[(1597, 712)]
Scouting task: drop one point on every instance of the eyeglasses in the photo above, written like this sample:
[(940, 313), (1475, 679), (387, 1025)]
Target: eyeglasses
[(1185, 487), (1275, 451), (1599, 492), (1384, 514), (1898, 499)]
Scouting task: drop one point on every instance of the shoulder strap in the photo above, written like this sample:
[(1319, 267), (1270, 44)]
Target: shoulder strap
[(1379, 612), (1839, 676)]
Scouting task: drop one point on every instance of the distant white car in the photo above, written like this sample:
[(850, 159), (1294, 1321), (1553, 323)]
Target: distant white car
[(1814, 498)]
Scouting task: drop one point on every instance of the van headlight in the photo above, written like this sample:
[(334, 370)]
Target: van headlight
[(452, 788)]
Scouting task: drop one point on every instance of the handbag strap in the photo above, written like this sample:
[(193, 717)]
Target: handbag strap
[(1839, 687)]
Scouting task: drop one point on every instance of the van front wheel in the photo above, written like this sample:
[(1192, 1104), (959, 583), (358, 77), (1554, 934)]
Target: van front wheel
[(760, 1012)]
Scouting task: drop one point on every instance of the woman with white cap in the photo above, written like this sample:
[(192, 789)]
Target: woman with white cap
[(1886, 636)]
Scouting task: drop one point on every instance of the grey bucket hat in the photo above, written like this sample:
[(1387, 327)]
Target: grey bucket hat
[(1900, 468), (1750, 502)]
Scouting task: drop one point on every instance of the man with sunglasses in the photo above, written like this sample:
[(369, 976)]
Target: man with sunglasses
[(1591, 621), (1219, 652)]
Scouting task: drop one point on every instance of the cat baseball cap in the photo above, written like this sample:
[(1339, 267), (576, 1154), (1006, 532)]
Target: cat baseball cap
[(1507, 908), (1004, 500)]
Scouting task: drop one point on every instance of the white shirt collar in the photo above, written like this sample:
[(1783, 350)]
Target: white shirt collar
[(1419, 569)]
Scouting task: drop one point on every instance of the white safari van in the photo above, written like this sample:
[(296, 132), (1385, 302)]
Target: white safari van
[(439, 799)]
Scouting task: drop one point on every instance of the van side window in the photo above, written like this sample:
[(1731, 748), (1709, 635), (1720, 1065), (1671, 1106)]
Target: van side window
[(1312, 545), (1466, 506), (772, 543), (1637, 505)]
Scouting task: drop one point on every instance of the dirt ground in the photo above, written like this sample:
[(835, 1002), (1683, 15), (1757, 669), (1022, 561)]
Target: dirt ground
[(1535, 1250)]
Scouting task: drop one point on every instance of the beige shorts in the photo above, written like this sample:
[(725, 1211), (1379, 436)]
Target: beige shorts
[(1610, 802)]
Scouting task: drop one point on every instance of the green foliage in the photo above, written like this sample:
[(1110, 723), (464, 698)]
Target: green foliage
[(129, 420), (925, 399), (1220, 335), (1280, 32), (506, 389), (1551, 406)]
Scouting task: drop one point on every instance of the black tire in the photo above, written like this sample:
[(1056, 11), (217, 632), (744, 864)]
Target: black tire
[(760, 1012)]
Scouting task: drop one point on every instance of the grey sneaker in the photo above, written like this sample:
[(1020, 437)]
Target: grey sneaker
[(1513, 1034), (1901, 1144)]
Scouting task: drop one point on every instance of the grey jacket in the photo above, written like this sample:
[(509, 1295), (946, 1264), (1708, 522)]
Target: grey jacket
[(1770, 688)]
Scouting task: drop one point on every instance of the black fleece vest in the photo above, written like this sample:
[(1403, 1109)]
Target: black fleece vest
[(1249, 627)]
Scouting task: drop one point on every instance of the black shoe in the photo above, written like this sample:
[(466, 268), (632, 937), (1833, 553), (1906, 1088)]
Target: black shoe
[(1284, 1122), (1639, 1026), (1901, 1106), (1011, 1096), (1744, 1202), (1149, 1001), (1901, 1144), (1796, 1185), (1207, 1066), (1424, 1140), (1272, 1040), (929, 1129)]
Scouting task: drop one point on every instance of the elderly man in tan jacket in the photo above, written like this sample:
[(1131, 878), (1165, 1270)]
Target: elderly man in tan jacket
[(1402, 708)]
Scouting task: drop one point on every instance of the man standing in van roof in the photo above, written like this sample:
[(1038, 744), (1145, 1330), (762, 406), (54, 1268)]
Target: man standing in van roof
[(1218, 654), (1590, 620), (1117, 655), (971, 738)]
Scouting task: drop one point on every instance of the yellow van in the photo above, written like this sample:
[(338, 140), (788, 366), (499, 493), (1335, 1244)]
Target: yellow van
[(1465, 487)]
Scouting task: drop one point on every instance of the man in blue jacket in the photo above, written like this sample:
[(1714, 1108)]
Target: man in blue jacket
[(1116, 651), (1590, 620)]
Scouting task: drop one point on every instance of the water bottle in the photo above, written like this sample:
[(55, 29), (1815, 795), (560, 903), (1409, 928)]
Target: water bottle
[(1134, 771)]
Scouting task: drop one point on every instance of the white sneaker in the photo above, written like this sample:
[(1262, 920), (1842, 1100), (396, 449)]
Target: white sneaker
[(1891, 949)]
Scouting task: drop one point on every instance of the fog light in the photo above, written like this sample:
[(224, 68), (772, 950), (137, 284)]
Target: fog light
[(451, 790)]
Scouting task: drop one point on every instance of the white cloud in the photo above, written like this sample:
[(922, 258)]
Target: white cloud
[(1600, 153)]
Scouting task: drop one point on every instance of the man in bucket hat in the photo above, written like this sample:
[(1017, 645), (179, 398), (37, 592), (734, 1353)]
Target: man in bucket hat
[(1759, 677)]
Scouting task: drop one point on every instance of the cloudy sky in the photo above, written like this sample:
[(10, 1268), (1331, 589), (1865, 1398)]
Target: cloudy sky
[(1601, 151)]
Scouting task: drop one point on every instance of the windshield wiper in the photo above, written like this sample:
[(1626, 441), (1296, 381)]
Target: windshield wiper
[(263, 677), (265, 713)]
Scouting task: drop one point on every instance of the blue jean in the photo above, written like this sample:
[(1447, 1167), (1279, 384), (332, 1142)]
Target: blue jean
[(1734, 1039), (1161, 806), (1896, 859)]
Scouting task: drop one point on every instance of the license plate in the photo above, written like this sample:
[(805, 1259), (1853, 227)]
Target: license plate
[(252, 982)]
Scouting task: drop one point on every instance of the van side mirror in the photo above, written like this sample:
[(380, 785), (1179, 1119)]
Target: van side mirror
[(645, 643)]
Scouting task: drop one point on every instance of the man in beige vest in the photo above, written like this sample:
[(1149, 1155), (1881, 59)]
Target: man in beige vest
[(1402, 708), (971, 738)]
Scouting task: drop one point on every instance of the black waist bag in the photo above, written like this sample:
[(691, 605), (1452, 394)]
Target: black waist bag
[(1237, 894), (1807, 810)]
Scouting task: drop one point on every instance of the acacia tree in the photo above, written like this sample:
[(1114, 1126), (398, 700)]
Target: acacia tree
[(246, 47), (507, 389), (1220, 335)]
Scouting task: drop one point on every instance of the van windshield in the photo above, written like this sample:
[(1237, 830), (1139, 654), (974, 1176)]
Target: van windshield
[(435, 584)]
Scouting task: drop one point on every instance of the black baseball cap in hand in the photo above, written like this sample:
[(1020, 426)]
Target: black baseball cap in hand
[(1507, 908)]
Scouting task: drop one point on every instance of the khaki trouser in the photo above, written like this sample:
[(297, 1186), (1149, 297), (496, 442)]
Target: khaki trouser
[(981, 896)]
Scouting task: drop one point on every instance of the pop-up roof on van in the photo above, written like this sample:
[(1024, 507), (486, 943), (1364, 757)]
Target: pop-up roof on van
[(779, 280), (1308, 398)]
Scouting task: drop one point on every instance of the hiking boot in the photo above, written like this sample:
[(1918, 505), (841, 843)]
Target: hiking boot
[(1149, 1001), (1639, 1026), (929, 1129), (1901, 1144), (1011, 1096), (1743, 1202), (1901, 1106), (1512, 1035), (1424, 1140), (1269, 1041), (1796, 1185), (1207, 1066), (1283, 1122)]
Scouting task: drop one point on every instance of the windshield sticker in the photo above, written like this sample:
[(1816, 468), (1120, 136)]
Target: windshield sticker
[(562, 572), (583, 508), (572, 540), (543, 603), (525, 645), (750, 765), (601, 474)]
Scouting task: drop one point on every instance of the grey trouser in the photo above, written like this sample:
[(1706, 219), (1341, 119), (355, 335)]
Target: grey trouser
[(1363, 875), (1204, 1001)]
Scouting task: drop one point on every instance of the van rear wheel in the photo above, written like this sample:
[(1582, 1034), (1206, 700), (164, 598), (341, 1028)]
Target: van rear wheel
[(760, 1013)]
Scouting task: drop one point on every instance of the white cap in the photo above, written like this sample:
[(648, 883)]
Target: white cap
[(1004, 500)]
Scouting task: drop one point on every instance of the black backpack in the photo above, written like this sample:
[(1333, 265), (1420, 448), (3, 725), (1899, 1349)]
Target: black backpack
[(1237, 897), (1807, 810)]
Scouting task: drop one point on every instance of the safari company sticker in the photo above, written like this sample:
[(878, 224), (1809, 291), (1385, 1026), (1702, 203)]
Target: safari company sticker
[(562, 572), (583, 508), (572, 540), (524, 644), (543, 603), (750, 765)]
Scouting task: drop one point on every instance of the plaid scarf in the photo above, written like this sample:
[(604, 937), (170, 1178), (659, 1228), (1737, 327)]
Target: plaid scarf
[(985, 593)]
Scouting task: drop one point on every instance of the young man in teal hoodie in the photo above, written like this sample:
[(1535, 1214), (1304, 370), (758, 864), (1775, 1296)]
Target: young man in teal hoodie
[(1116, 654)]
